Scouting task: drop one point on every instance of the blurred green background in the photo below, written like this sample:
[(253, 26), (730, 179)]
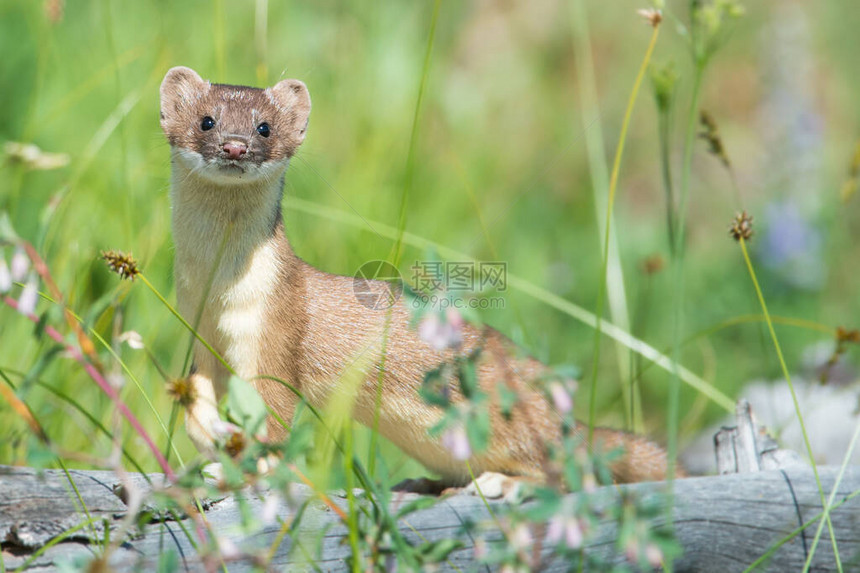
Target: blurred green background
[(501, 173)]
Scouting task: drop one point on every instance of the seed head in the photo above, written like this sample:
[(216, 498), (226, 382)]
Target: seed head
[(121, 263), (741, 227), (843, 335), (182, 391), (653, 16), (235, 444)]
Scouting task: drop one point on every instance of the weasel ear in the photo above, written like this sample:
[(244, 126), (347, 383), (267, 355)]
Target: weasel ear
[(180, 86), (293, 98)]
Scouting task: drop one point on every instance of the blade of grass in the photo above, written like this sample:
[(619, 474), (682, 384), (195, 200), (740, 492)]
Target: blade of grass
[(538, 293), (413, 138), (599, 172), (794, 399)]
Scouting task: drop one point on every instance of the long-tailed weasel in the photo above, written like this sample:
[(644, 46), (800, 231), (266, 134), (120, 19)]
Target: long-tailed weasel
[(268, 312)]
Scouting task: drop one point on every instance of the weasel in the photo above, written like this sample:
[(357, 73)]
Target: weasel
[(268, 312)]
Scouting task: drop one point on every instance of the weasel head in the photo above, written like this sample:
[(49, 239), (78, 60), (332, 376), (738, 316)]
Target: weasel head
[(232, 135)]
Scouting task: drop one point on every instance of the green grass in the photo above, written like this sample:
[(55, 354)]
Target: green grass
[(499, 170)]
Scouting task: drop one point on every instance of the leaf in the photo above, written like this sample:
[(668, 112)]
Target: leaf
[(422, 503), (438, 551), (478, 429), (245, 406), (434, 388), (168, 561), (507, 400)]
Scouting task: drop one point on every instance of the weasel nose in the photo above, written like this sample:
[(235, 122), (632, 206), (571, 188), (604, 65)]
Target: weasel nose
[(235, 149)]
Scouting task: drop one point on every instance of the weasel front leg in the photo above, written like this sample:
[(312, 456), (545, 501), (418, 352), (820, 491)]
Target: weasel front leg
[(202, 416)]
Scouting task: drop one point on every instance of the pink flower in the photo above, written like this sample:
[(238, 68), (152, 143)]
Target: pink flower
[(567, 528), (456, 441), (560, 398), (223, 429), (441, 335), (653, 555)]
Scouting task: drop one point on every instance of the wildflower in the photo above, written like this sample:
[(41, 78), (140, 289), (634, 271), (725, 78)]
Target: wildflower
[(20, 265), (456, 441), (227, 548), (223, 429), (122, 264), (653, 16), (132, 338), (741, 227), (442, 334), (235, 444), (182, 391), (5, 276), (653, 555), (520, 538), (115, 379), (269, 512), (566, 528), (560, 397), (29, 296)]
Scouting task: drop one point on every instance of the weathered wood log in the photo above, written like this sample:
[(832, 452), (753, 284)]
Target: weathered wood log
[(724, 523)]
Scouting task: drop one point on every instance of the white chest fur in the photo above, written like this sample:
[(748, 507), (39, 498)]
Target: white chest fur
[(226, 231)]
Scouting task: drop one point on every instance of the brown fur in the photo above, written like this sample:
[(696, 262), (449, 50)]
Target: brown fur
[(302, 325)]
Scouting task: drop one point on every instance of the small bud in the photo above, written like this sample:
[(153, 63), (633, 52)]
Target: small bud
[(521, 538), (269, 512), (741, 227), (122, 264), (227, 548)]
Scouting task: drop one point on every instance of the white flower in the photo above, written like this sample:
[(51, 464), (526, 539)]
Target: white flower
[(29, 296), (456, 441), (269, 512), (521, 537), (228, 549), (5, 276), (132, 338), (20, 264)]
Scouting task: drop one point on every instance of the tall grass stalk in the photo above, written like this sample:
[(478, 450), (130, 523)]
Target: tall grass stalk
[(413, 138), (613, 185), (794, 399), (599, 172)]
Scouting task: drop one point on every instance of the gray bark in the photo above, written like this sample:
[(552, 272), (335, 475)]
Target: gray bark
[(724, 523)]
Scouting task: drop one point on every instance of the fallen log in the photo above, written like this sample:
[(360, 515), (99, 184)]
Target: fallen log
[(724, 523)]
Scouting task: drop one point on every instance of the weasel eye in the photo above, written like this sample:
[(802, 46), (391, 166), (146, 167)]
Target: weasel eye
[(263, 129), (207, 123)]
